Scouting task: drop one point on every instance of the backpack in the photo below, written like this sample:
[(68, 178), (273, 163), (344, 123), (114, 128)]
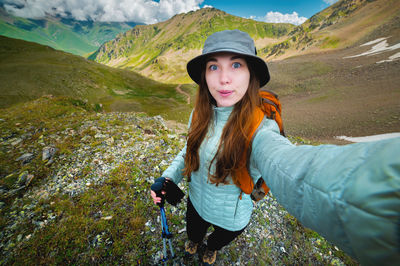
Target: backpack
[(270, 109)]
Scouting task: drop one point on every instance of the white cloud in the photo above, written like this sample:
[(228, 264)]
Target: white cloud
[(277, 17), (330, 2), (145, 11)]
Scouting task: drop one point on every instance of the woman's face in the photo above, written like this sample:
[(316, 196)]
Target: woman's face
[(227, 77)]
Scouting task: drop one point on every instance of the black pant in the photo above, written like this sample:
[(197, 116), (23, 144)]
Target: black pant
[(196, 229)]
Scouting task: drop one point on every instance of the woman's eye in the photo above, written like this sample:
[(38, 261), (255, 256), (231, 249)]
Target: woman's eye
[(213, 67), (236, 65)]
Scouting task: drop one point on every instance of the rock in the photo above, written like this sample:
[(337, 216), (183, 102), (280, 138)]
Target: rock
[(16, 141), (148, 132), (3, 193), (86, 138), (22, 178), (100, 136), (172, 136), (29, 179), (110, 141), (13, 192), (25, 158), (48, 153)]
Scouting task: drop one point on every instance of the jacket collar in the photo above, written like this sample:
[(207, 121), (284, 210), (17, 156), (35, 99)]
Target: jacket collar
[(221, 114)]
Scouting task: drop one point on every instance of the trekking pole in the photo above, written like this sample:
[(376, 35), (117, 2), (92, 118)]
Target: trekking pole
[(166, 234)]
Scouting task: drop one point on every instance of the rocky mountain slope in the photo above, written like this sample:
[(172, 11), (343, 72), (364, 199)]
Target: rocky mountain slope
[(352, 92), (75, 189), (69, 35), (342, 25), (160, 51)]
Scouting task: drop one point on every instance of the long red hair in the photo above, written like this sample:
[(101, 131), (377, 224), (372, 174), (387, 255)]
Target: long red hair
[(229, 156)]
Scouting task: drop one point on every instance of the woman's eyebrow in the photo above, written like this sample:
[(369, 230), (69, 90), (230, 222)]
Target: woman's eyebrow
[(211, 59), (237, 57)]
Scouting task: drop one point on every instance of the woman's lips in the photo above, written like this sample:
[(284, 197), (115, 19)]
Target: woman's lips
[(225, 93)]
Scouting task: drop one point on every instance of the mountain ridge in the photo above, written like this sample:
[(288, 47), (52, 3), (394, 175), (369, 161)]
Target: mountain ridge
[(160, 49), (69, 35), (161, 53), (344, 24)]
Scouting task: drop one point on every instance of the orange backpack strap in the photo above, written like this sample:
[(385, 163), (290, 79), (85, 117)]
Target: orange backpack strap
[(260, 189), (243, 179), (271, 108)]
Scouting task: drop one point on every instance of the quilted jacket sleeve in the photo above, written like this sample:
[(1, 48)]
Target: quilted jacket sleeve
[(174, 171), (349, 194)]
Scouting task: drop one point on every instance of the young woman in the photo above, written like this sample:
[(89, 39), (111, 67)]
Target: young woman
[(349, 194)]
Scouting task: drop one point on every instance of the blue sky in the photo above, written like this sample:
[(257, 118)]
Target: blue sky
[(259, 8), (153, 11)]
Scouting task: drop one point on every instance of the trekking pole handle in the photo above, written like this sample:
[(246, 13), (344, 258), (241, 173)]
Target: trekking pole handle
[(157, 187)]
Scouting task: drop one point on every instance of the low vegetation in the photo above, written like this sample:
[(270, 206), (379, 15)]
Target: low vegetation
[(89, 203)]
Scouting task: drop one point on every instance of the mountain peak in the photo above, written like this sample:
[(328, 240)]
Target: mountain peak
[(160, 51)]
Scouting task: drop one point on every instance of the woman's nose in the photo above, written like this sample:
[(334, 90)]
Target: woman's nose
[(225, 77)]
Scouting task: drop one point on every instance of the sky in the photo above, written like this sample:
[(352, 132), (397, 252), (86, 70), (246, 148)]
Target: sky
[(153, 11)]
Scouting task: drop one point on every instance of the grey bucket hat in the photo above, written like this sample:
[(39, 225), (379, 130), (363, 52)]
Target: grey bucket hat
[(234, 41)]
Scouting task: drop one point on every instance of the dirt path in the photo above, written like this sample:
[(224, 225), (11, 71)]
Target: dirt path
[(179, 90)]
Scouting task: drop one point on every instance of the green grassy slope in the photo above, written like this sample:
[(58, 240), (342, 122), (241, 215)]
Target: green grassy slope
[(29, 70), (161, 50)]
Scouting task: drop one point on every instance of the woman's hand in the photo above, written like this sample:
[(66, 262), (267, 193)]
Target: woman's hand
[(156, 199)]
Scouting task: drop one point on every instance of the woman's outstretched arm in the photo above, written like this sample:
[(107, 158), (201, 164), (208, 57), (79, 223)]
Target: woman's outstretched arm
[(349, 194)]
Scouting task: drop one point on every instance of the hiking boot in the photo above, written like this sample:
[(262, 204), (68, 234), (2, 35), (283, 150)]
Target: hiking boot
[(190, 247), (209, 257)]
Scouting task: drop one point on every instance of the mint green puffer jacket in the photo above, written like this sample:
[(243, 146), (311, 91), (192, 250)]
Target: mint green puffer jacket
[(349, 194), (219, 205)]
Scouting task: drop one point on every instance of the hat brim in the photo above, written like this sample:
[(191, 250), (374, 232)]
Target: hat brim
[(195, 66)]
